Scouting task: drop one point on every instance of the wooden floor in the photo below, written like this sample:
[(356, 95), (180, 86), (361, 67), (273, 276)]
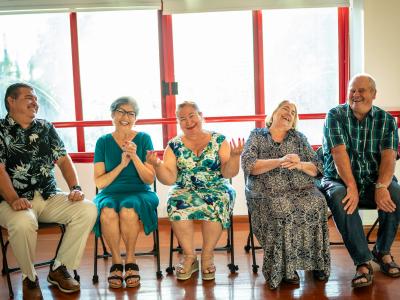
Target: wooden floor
[(243, 285)]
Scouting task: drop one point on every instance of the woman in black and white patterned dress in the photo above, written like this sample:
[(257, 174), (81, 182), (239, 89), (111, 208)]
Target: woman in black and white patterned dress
[(289, 214)]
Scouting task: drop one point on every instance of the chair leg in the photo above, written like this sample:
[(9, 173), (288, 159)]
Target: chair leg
[(95, 278), (62, 229), (5, 264), (232, 267), (170, 268), (106, 254), (253, 250), (156, 237), (371, 230)]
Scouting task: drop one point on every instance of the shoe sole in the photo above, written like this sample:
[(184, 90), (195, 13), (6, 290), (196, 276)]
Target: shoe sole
[(49, 280), (186, 276), (362, 284), (208, 276)]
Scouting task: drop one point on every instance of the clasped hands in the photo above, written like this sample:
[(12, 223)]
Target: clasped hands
[(290, 161), (129, 152)]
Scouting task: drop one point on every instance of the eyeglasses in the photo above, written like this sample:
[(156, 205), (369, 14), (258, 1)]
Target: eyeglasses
[(122, 113)]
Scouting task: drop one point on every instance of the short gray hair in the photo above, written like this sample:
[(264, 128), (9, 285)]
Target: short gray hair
[(125, 100), (371, 80)]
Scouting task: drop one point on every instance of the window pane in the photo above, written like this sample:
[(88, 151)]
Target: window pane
[(93, 133), (301, 58), (313, 130), (68, 136), (119, 57), (37, 49), (213, 55)]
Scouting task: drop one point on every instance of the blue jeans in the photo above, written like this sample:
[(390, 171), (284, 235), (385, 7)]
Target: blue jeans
[(350, 226)]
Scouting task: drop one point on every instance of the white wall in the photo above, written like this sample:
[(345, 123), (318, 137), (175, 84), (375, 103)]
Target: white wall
[(382, 48)]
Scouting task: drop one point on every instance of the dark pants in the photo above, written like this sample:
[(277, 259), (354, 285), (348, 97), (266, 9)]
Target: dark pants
[(350, 226)]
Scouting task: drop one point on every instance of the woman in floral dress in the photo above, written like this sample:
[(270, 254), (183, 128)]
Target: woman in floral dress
[(198, 164), (288, 213)]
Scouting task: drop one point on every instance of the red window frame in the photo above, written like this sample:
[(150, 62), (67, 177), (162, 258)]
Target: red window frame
[(168, 102)]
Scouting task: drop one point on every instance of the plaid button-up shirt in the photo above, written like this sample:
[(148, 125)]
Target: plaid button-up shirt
[(364, 141)]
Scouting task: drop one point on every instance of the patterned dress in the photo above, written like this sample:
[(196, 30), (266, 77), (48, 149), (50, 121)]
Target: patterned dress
[(200, 192), (289, 214)]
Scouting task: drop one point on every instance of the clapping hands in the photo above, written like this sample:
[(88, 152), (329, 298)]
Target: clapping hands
[(152, 158)]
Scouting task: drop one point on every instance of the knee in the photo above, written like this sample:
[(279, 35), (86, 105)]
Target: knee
[(128, 214), (24, 223), (88, 211), (335, 196), (108, 215)]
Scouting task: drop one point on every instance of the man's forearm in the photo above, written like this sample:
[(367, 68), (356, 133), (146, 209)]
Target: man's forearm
[(7, 190), (386, 167), (343, 165)]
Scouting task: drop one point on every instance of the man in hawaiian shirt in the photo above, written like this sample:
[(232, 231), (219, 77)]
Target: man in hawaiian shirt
[(29, 149), (360, 147)]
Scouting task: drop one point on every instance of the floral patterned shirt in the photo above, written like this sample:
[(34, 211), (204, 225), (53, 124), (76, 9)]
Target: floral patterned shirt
[(29, 156)]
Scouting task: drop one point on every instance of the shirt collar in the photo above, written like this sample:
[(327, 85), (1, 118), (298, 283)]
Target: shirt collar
[(12, 123), (349, 112)]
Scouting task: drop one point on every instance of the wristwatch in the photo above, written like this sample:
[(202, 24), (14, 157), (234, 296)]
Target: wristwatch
[(379, 185), (76, 188)]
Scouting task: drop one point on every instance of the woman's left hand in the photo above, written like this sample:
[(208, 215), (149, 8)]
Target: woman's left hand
[(236, 150), (291, 161)]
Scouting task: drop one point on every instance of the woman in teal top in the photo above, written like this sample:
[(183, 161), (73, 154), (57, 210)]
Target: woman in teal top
[(197, 164), (125, 199)]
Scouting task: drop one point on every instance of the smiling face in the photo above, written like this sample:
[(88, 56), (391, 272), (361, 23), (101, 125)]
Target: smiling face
[(190, 120), (285, 115), (124, 117), (24, 107), (361, 93)]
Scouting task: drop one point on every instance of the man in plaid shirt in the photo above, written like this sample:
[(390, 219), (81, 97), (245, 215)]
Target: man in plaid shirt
[(360, 147)]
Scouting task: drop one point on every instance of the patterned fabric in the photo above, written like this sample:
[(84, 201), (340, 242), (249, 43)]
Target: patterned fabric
[(364, 141), (200, 192), (289, 215), (29, 156), (127, 190)]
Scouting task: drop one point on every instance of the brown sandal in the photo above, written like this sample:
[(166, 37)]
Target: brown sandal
[(385, 267), (359, 275), (187, 267), (207, 267)]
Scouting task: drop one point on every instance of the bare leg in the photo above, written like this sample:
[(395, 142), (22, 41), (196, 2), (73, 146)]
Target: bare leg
[(211, 234), (184, 231), (130, 227), (109, 220)]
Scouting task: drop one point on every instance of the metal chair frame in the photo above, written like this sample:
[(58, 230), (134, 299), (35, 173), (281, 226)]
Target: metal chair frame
[(6, 270)]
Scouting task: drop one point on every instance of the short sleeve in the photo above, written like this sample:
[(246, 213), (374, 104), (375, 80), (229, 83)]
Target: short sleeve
[(147, 146), (99, 151), (56, 144), (3, 155), (391, 137), (333, 130)]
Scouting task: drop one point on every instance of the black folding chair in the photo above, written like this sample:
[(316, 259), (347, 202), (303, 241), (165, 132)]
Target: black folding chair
[(6, 270)]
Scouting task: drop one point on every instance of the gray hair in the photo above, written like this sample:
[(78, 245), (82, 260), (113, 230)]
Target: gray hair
[(371, 80), (125, 100), (187, 103)]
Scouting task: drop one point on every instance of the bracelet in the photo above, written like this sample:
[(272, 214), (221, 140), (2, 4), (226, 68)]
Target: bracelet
[(379, 185), (76, 187)]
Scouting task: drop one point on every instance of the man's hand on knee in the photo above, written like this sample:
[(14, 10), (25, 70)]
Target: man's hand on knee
[(76, 195), (350, 201), (20, 204), (383, 200)]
